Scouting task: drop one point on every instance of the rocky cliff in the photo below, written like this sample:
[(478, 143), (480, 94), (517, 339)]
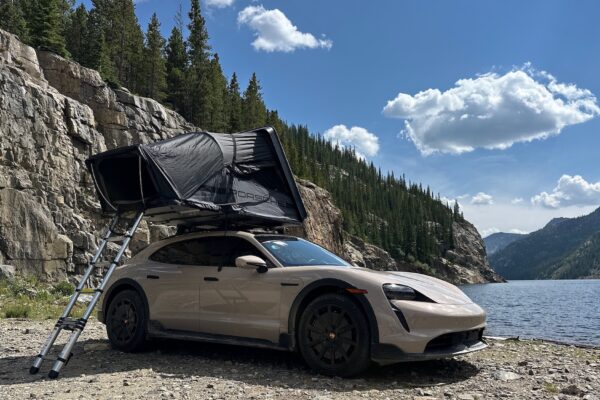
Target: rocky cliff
[(466, 263), (54, 114)]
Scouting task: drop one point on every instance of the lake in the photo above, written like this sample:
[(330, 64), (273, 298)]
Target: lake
[(563, 310)]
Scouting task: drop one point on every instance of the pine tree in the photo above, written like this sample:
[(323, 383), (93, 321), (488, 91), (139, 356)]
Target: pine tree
[(98, 56), (456, 211), (12, 19), (47, 27), (254, 112), (198, 78), (123, 40), (77, 36), (177, 64), (154, 82), (218, 96), (234, 105)]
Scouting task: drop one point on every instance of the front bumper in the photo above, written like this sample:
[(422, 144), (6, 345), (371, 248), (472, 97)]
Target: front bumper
[(443, 346)]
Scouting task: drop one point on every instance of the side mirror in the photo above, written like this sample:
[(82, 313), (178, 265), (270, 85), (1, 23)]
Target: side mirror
[(251, 262)]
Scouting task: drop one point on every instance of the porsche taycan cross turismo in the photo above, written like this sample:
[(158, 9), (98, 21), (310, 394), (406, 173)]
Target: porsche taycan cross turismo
[(278, 291)]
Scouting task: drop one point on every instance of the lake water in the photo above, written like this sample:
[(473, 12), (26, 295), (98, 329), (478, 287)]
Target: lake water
[(565, 310)]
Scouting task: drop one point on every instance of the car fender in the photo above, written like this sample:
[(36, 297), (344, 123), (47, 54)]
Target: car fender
[(119, 284), (290, 341)]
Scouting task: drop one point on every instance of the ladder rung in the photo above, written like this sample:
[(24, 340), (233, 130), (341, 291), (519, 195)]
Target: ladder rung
[(71, 324), (102, 264), (116, 238), (88, 291)]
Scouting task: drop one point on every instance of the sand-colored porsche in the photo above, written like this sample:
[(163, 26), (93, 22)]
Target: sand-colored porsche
[(283, 292)]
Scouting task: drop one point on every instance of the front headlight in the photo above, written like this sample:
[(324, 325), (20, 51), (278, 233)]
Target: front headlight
[(394, 291)]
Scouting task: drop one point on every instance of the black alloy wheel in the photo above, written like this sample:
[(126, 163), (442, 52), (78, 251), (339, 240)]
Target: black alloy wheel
[(126, 321), (334, 336)]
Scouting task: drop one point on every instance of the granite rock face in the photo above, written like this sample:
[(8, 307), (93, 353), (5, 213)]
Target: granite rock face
[(54, 114), (323, 224), (366, 255), (467, 262)]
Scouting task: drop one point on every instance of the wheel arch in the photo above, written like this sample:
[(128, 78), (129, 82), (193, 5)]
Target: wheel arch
[(325, 286), (118, 287)]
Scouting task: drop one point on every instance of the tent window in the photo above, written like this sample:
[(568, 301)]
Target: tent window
[(123, 175)]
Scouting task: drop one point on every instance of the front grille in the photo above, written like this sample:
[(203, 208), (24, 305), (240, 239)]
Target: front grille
[(453, 339)]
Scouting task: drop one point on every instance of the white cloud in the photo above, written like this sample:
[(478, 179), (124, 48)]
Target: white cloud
[(482, 198), (519, 231), (219, 3), (516, 200), (570, 190), (487, 232), (275, 32), (365, 143), (448, 201), (491, 111)]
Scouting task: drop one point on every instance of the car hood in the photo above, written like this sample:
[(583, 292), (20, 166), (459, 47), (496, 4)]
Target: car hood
[(436, 289)]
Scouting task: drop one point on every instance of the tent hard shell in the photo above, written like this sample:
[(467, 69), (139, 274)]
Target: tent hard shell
[(202, 179)]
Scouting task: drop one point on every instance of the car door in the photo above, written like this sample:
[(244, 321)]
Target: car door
[(240, 302), (171, 282)]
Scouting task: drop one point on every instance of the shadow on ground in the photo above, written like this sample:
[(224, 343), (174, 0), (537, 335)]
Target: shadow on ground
[(248, 365)]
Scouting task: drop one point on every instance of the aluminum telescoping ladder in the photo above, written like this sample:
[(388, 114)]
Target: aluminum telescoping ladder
[(76, 325)]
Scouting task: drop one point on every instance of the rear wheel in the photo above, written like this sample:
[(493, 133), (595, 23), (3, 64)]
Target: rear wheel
[(126, 321), (333, 336)]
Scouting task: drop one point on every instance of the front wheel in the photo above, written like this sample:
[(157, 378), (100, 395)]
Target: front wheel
[(126, 322), (333, 336)]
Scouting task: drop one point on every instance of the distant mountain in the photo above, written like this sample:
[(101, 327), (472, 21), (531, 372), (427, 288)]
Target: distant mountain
[(556, 221), (498, 241), (565, 248)]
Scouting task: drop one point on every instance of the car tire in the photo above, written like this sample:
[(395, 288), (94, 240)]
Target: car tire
[(333, 336), (126, 322)]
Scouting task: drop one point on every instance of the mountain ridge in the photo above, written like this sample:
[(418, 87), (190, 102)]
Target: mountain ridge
[(565, 248), (499, 240)]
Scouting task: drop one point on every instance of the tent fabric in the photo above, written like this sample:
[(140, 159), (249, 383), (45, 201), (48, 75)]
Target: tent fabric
[(201, 178)]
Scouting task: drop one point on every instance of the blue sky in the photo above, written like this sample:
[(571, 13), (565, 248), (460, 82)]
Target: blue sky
[(525, 118)]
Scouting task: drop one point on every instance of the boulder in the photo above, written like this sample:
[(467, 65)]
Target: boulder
[(7, 271)]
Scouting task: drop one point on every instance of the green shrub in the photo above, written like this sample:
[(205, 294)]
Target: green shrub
[(63, 288), (23, 286), (44, 295), (550, 387), (16, 311), (27, 297)]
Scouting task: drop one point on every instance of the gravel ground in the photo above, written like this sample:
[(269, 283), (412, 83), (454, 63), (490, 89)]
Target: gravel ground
[(183, 370)]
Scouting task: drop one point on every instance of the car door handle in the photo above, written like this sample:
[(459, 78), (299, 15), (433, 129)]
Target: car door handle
[(211, 279), (152, 277)]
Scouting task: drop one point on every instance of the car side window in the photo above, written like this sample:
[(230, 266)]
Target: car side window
[(234, 247), (200, 251)]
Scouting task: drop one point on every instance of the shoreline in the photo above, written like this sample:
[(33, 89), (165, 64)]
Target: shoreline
[(546, 340)]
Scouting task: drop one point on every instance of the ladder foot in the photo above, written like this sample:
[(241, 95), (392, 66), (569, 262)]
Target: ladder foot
[(33, 370), (53, 374)]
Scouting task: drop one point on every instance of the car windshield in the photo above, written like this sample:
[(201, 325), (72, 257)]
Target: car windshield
[(294, 252)]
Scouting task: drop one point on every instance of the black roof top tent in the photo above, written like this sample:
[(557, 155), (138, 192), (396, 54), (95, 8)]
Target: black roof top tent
[(202, 179)]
